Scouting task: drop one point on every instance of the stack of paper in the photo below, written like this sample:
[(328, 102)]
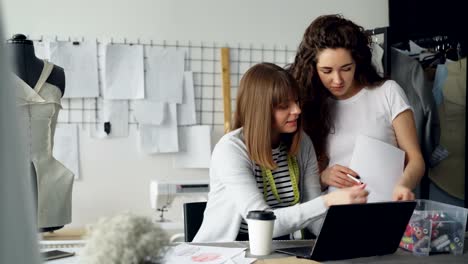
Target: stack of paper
[(187, 253)]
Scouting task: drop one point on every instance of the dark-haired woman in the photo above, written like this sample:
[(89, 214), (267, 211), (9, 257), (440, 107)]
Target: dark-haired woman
[(344, 97)]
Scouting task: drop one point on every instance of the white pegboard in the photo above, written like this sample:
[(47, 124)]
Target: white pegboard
[(204, 60)]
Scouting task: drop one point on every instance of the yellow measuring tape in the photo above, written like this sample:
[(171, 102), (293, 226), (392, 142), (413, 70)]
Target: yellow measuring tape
[(293, 174)]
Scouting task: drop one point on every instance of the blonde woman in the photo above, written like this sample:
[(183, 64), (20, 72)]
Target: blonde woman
[(266, 163)]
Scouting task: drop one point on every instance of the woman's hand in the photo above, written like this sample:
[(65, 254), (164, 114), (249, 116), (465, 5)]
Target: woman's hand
[(351, 195), (336, 176), (402, 193)]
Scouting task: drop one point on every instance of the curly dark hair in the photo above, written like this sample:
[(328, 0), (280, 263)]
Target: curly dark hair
[(328, 32)]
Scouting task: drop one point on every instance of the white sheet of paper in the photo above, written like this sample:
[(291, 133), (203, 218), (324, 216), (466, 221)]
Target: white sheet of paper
[(66, 148), (68, 260), (187, 253), (379, 165), (195, 147), (164, 74), (149, 112), (186, 113), (80, 64), (116, 113), (42, 49), (161, 138), (124, 72)]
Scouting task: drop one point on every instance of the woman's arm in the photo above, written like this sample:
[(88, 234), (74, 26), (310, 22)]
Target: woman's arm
[(407, 139), (312, 186), (234, 171)]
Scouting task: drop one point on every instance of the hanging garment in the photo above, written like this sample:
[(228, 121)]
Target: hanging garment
[(39, 108), (439, 80), (449, 174), (377, 55), (409, 74)]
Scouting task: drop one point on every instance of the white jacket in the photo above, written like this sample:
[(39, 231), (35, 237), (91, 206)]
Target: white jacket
[(234, 192)]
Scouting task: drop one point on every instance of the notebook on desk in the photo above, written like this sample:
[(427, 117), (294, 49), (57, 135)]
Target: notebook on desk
[(358, 230)]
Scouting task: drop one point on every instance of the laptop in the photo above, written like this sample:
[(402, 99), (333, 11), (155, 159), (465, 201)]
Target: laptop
[(358, 230)]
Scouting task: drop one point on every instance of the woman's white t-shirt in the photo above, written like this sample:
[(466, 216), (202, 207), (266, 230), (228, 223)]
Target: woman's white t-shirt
[(370, 112)]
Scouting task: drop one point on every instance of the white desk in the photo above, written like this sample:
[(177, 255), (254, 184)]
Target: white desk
[(401, 256)]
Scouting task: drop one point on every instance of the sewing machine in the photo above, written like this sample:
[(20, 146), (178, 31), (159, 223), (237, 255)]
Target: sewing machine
[(167, 198)]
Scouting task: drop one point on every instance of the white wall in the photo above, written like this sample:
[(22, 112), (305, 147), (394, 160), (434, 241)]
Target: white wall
[(264, 21), (115, 175)]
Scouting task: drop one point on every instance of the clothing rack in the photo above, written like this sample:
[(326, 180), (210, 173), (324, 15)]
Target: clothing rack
[(441, 43)]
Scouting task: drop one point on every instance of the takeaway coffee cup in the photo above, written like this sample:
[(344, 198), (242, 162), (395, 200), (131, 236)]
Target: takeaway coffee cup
[(260, 231)]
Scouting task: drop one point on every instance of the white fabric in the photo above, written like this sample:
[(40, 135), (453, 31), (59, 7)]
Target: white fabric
[(370, 113), (38, 117), (234, 192), (377, 55)]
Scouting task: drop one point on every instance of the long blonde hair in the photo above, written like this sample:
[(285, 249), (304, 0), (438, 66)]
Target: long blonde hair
[(262, 88)]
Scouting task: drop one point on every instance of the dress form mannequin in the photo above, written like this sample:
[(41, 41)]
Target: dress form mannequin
[(40, 87), (27, 66)]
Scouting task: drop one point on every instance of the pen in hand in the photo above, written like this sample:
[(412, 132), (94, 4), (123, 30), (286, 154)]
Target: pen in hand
[(354, 179)]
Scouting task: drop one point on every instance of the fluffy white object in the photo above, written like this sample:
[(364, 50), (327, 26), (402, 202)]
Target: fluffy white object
[(124, 238)]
